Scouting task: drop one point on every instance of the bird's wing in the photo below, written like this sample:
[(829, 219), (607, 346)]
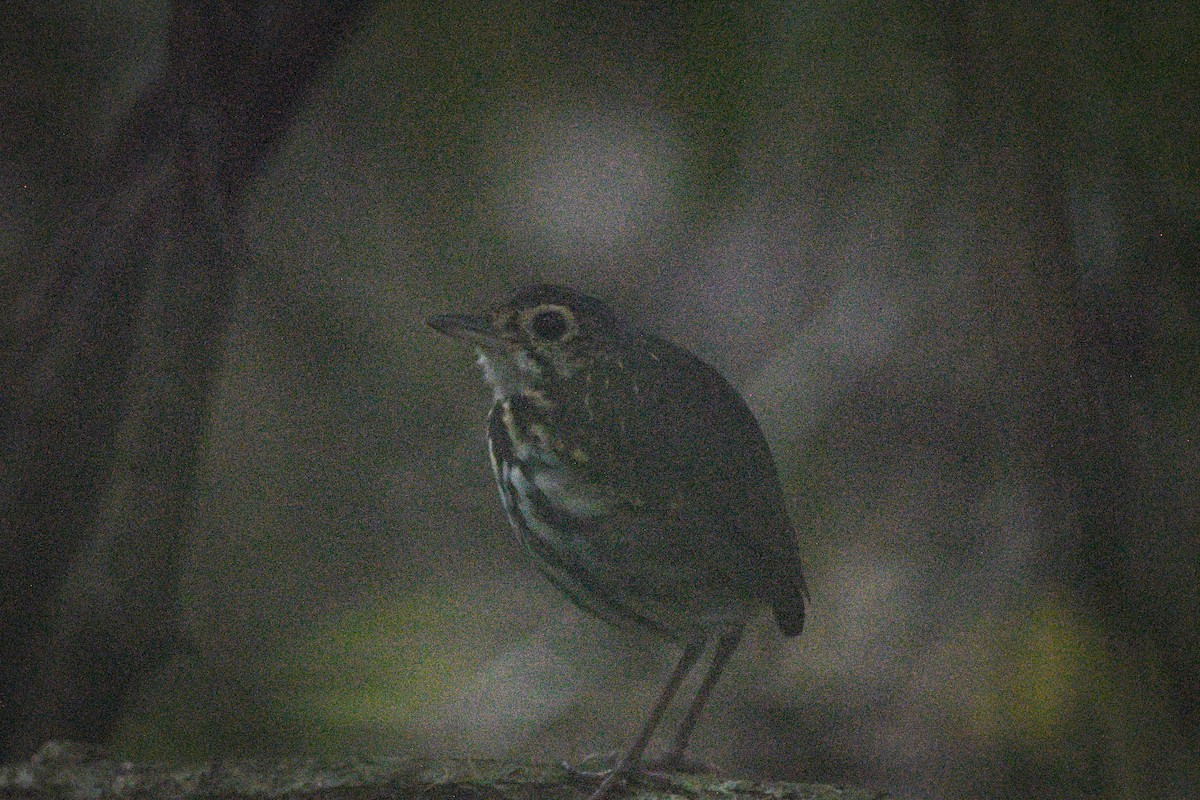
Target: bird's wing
[(675, 441)]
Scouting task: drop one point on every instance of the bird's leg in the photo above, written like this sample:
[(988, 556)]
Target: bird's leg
[(674, 758), (629, 762)]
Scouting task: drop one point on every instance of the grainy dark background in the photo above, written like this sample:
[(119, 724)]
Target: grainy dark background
[(948, 251)]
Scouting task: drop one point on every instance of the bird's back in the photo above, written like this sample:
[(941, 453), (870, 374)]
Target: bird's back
[(690, 452)]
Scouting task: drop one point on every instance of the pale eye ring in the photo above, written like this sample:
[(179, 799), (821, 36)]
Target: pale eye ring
[(550, 322)]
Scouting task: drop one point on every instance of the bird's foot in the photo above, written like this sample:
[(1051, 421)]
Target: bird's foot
[(611, 772), (607, 768)]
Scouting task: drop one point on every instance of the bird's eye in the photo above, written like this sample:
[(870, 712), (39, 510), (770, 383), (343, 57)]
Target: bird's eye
[(551, 323)]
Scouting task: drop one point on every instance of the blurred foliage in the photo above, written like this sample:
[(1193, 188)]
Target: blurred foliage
[(405, 660), (698, 164), (1045, 669)]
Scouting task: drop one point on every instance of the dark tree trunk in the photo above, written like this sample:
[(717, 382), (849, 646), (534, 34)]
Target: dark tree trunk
[(109, 387)]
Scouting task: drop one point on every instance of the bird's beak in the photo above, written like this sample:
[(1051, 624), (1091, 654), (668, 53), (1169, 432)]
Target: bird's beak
[(477, 330)]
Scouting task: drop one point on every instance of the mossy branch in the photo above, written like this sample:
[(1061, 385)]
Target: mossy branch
[(70, 770)]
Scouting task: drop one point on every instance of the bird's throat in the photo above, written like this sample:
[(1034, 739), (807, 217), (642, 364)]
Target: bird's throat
[(510, 373)]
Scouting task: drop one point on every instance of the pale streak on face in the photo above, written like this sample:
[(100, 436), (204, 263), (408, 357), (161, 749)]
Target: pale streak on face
[(508, 376)]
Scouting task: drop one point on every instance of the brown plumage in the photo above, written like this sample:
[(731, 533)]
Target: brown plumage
[(638, 480)]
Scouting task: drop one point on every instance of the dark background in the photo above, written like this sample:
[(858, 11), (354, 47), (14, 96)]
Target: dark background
[(947, 251)]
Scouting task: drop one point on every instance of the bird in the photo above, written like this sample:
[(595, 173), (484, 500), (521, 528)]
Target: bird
[(640, 483)]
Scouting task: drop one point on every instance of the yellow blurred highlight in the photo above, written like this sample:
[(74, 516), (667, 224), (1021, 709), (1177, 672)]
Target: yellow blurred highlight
[(384, 668), (1029, 673)]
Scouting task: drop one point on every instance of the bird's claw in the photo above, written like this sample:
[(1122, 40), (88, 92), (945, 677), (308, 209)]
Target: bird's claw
[(594, 767)]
